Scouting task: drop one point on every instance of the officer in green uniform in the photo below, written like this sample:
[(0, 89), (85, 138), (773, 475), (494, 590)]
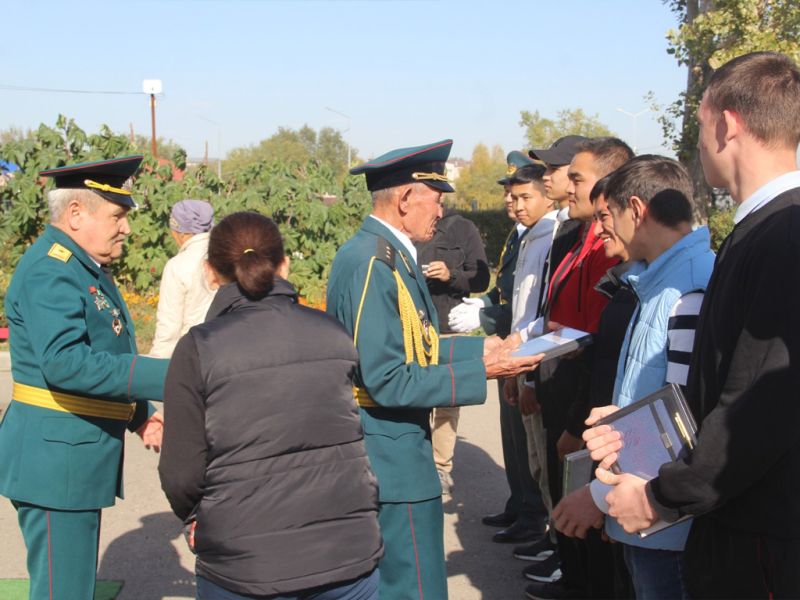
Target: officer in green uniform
[(78, 380), (378, 292)]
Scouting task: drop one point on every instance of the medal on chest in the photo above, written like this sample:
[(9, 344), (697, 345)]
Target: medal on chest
[(100, 301), (426, 324), (116, 324)]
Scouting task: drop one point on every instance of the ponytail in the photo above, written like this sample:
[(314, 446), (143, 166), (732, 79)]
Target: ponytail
[(247, 248)]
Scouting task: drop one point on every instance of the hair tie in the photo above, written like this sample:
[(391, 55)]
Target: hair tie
[(246, 250)]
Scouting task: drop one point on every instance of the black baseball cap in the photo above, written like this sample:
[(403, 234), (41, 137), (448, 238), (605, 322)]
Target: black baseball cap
[(561, 151)]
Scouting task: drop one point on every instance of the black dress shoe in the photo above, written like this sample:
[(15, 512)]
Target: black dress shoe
[(517, 533), (501, 519)]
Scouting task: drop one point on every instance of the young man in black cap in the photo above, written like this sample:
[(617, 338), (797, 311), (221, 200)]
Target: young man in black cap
[(79, 382)]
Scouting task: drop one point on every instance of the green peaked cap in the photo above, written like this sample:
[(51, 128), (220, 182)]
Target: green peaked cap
[(418, 164), (515, 160), (104, 177)]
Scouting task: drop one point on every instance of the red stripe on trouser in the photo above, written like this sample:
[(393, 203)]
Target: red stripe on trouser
[(416, 553), (452, 375), (99, 525), (49, 555)]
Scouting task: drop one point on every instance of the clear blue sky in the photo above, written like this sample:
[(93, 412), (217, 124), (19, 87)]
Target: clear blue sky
[(406, 72)]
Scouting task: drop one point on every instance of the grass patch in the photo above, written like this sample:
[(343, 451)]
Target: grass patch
[(18, 589)]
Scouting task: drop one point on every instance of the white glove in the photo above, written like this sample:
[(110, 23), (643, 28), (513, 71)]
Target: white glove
[(466, 316)]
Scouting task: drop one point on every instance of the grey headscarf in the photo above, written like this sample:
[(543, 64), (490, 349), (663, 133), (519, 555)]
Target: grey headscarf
[(192, 216)]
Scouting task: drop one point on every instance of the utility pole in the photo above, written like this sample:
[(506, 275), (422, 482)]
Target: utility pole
[(152, 87), (219, 144)]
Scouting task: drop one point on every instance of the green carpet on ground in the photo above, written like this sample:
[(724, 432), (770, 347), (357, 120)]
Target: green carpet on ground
[(17, 589)]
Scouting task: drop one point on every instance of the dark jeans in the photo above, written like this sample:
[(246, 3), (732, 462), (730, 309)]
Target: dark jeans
[(525, 501), (365, 588), (656, 574)]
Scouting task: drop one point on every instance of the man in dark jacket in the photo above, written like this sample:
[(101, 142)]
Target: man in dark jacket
[(454, 265), (742, 476)]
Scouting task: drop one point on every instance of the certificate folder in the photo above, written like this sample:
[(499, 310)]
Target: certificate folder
[(558, 342), (656, 430), (578, 469)]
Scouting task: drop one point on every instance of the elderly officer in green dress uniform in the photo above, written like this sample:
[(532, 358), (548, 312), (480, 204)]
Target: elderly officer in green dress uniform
[(78, 380), (378, 292)]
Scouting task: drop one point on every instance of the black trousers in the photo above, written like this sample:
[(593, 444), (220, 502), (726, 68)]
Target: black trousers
[(587, 566), (721, 562), (525, 501)]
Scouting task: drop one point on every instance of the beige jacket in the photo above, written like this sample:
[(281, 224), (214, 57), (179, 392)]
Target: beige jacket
[(184, 297)]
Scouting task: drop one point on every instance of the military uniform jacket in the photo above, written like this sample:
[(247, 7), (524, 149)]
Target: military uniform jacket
[(61, 310), (496, 316), (397, 432)]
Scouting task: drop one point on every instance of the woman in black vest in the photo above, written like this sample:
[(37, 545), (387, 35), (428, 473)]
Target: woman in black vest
[(263, 454)]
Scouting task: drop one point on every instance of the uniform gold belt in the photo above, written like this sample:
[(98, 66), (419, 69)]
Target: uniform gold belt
[(362, 398), (78, 405)]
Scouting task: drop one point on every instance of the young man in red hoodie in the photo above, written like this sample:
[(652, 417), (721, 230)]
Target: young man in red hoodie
[(562, 386)]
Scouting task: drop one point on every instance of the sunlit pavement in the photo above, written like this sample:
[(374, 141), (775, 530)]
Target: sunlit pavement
[(142, 545)]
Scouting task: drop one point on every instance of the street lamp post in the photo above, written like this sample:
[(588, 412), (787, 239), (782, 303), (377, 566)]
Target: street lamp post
[(347, 141), (635, 117), (219, 143)]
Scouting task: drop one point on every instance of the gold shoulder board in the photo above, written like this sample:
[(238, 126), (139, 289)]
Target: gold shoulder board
[(58, 252)]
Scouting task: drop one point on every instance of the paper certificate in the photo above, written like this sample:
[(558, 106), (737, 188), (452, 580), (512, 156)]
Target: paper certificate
[(558, 342)]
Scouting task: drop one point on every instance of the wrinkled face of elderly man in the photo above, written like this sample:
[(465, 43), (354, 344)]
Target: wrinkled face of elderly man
[(96, 224), (420, 208)]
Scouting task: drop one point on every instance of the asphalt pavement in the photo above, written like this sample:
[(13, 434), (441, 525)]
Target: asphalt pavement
[(141, 541)]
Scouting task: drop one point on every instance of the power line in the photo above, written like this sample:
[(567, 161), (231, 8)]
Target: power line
[(22, 88)]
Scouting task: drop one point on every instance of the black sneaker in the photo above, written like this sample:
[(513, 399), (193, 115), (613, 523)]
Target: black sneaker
[(501, 519), (550, 591), (545, 571), (537, 551)]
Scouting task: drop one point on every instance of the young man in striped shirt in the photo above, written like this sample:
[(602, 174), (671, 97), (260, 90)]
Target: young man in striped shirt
[(650, 201)]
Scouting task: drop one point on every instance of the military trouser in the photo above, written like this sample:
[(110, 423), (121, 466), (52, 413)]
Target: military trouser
[(413, 536), (62, 551)]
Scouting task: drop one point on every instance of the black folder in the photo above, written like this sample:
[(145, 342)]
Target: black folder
[(656, 430)]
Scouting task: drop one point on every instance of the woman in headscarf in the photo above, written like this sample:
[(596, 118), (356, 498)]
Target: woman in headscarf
[(185, 295)]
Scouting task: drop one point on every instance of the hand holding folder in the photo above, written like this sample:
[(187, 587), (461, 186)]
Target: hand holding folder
[(634, 442)]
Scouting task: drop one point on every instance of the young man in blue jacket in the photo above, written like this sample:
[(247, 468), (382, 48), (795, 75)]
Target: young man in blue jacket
[(650, 201)]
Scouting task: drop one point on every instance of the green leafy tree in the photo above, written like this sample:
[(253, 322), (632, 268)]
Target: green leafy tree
[(165, 148), (326, 147), (711, 33), (540, 131), (288, 191), (476, 186), (14, 134)]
